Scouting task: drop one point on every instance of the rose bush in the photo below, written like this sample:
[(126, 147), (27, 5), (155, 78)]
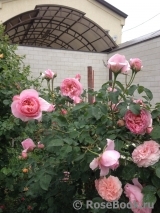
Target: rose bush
[(55, 152)]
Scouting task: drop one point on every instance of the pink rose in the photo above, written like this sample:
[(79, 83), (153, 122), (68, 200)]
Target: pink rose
[(133, 192), (138, 124), (107, 160), (146, 154), (72, 88), (78, 77), (118, 64), (135, 64), (28, 105), (48, 74), (28, 145), (110, 189), (40, 145)]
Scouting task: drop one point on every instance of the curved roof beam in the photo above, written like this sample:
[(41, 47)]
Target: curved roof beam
[(61, 25)]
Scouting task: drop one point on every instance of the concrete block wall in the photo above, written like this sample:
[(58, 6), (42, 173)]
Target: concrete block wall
[(65, 63), (149, 53)]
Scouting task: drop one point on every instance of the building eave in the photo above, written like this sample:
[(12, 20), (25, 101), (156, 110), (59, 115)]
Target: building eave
[(111, 7)]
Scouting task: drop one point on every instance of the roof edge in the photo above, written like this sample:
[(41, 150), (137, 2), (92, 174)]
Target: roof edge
[(111, 7)]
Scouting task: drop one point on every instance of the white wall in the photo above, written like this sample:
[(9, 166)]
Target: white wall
[(65, 63), (69, 63)]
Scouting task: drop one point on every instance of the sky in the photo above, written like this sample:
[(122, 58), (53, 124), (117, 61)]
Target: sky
[(138, 11)]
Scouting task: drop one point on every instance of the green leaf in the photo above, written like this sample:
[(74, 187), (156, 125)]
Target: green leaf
[(129, 171), (149, 189), (66, 149), (158, 172), (155, 134), (79, 106), (45, 182), (150, 199), (155, 113), (6, 102), (158, 193), (156, 181), (96, 112), (120, 85), (80, 157), (135, 108), (132, 89), (148, 93), (113, 96), (140, 89), (118, 145), (55, 142)]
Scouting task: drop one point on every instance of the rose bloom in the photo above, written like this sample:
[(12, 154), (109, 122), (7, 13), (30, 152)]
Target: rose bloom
[(133, 192), (118, 64), (146, 154), (138, 124), (48, 74), (110, 189), (135, 64), (28, 105), (28, 145), (107, 160), (72, 88)]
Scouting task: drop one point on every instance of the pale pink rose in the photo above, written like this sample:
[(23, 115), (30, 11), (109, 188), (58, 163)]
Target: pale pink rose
[(28, 145), (110, 189), (107, 160), (28, 105), (24, 154), (135, 64), (138, 124), (72, 88), (78, 77), (40, 145), (118, 64), (110, 89), (146, 154), (48, 74), (133, 192)]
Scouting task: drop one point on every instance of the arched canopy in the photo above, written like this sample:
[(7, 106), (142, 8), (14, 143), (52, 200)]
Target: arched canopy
[(58, 27)]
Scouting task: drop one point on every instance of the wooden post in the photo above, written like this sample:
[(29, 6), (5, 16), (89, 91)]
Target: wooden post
[(110, 77), (90, 83)]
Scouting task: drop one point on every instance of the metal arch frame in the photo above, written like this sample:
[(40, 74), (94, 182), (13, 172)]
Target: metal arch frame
[(33, 18)]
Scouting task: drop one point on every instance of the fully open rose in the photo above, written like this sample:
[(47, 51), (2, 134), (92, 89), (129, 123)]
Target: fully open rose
[(138, 124), (28, 105), (72, 88), (146, 154), (110, 189)]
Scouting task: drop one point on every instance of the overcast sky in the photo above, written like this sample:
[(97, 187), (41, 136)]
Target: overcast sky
[(138, 11)]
